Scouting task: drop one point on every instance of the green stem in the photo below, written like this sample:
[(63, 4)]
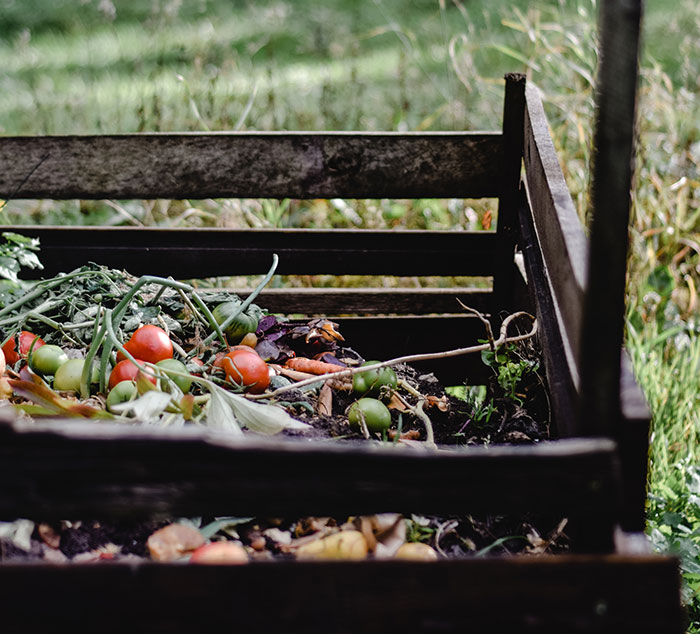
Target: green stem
[(97, 338), (249, 300)]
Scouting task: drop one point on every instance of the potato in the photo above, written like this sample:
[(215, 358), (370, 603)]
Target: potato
[(416, 551), (343, 545)]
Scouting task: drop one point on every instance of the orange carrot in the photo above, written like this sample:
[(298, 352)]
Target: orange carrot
[(312, 366)]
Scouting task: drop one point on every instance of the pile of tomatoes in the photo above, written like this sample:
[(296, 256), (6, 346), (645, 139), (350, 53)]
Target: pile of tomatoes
[(148, 346)]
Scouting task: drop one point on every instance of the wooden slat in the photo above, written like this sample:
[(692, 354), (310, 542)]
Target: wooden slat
[(252, 164), (604, 308), (560, 371), (511, 167), (559, 230), (632, 434), (540, 595), (210, 252), (372, 301), (69, 470)]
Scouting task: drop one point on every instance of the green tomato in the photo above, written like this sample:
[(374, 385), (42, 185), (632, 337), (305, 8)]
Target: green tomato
[(244, 323), (67, 377), (121, 393), (371, 382), (47, 359), (170, 367), (375, 414)]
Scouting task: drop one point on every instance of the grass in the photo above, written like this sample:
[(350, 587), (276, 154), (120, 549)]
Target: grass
[(393, 64)]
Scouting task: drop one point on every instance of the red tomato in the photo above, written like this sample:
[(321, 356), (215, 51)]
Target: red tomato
[(25, 342), (126, 371), (246, 368), (150, 343), (219, 356)]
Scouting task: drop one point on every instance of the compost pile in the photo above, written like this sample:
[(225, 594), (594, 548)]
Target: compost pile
[(101, 345)]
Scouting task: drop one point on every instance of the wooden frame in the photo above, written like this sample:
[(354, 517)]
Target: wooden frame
[(597, 480)]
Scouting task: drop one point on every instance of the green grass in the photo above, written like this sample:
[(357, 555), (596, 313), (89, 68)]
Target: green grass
[(395, 65)]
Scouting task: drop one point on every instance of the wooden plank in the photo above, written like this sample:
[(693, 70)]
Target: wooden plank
[(542, 595), (511, 166), (632, 435), (252, 164), (69, 470), (604, 307), (559, 230), (372, 301), (211, 252), (560, 373)]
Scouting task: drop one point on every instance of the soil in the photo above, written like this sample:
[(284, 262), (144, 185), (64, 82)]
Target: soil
[(499, 416)]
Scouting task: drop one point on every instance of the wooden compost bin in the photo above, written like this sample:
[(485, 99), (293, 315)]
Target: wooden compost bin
[(537, 258)]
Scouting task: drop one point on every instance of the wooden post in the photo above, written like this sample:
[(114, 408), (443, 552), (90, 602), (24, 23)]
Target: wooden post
[(604, 304), (511, 164)]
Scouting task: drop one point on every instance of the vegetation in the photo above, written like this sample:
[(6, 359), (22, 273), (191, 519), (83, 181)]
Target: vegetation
[(393, 64)]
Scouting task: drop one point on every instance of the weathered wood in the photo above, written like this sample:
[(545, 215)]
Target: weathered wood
[(559, 231), (65, 470), (210, 252), (604, 307), (632, 435), (541, 595), (252, 164), (511, 166), (372, 301), (560, 373)]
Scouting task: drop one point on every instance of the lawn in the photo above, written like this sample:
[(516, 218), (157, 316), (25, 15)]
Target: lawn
[(98, 66)]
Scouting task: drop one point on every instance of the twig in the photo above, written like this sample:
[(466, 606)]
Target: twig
[(502, 339), (486, 322)]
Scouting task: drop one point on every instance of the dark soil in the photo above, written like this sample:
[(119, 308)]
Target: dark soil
[(510, 413)]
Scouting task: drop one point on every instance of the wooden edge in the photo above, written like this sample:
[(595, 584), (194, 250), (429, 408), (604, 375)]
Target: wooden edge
[(632, 433), (141, 472), (560, 233), (561, 370), (211, 252), (372, 301), (510, 169), (251, 164), (545, 595)]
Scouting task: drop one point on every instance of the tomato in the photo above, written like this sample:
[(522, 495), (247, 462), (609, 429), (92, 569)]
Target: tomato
[(170, 367), (26, 339), (121, 393), (243, 323), (149, 343), (219, 356), (47, 359), (126, 371), (375, 414), (246, 368), (219, 553), (67, 377), (372, 381)]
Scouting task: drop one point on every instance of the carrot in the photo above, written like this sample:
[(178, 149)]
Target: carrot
[(312, 366)]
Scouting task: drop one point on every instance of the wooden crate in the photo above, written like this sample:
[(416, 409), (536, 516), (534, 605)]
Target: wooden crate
[(594, 474)]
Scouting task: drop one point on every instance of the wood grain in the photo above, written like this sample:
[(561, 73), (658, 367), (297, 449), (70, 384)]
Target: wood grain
[(559, 230), (211, 252), (604, 308), (68, 469), (252, 164), (540, 595)]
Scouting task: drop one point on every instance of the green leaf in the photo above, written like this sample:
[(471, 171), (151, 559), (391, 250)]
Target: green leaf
[(260, 417)]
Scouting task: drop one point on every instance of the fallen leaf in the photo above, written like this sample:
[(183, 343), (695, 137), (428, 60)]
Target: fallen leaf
[(324, 405), (487, 220)]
